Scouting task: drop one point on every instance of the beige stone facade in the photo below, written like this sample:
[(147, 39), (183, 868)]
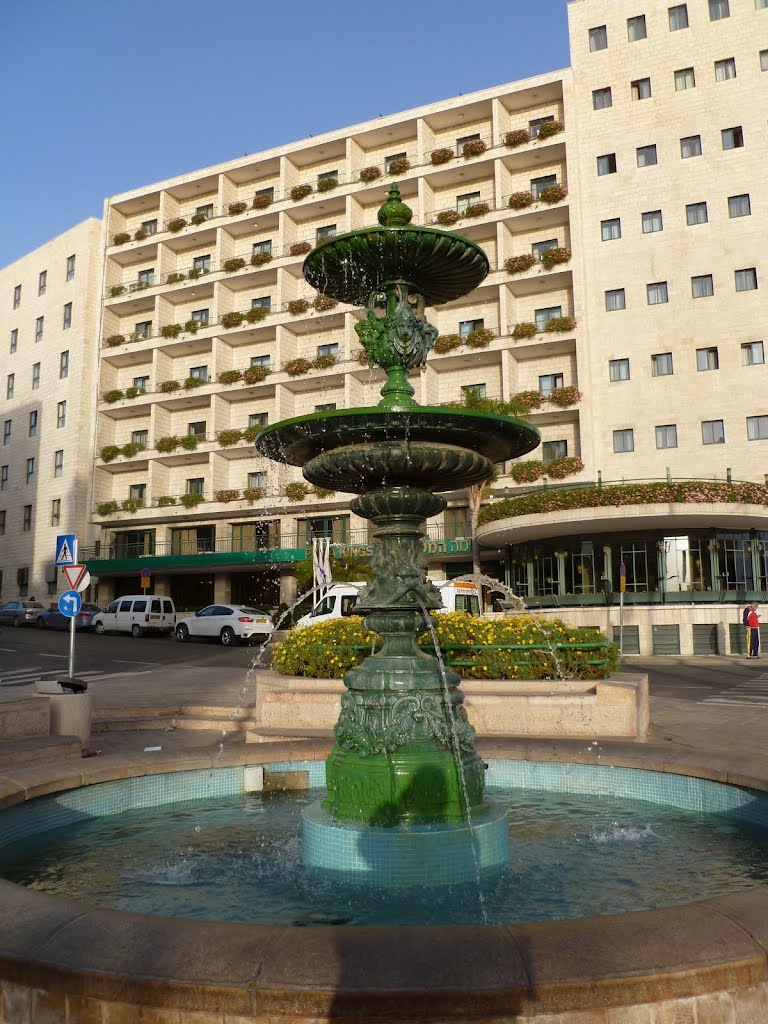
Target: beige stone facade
[(49, 313)]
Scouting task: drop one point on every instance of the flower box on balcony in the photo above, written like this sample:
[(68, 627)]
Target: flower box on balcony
[(189, 442), (528, 471), (107, 508), (518, 137), (196, 272), (555, 257), (250, 433), (520, 200), (235, 263), (198, 218), (477, 209), (167, 444), (298, 306), (528, 399), (226, 495), (259, 259), (255, 314), (237, 208), (255, 374), (481, 337), (553, 194), (296, 491), (115, 395), (448, 217), (190, 500), (549, 128), (175, 277), (132, 448), (232, 319), (175, 224), (447, 343), (299, 192), (131, 504), (115, 339), (253, 493), (165, 500), (116, 289), (140, 235), (134, 392), (399, 166), (263, 201), (475, 147), (370, 174), (323, 303), (121, 238), (167, 387), (324, 362), (519, 264), (327, 184), (557, 324), (559, 469), (227, 438), (193, 383), (170, 330), (441, 156), (193, 326), (526, 329), (563, 397), (299, 248), (297, 367), (230, 376), (109, 452), (323, 492)]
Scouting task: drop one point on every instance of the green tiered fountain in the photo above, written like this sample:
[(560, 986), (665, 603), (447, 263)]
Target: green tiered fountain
[(405, 786)]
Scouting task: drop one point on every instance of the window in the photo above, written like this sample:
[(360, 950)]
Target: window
[(143, 329), (652, 221), (757, 428), (22, 579), (263, 248), (61, 414), (195, 485), (2, 529), (551, 450), (641, 89), (149, 226), (30, 471), (752, 353), (334, 175), (463, 201), (325, 407), (598, 38), (678, 17), (618, 369), (258, 419), (761, 5), (467, 326), (42, 282), (474, 389), (534, 126), (615, 299), (601, 98), (200, 316), (746, 280), (707, 359), (725, 69), (14, 339), (9, 383), (67, 322), (262, 302), (719, 9), (137, 492), (7, 432), (64, 365), (71, 265), (623, 441), (389, 160), (264, 194), (39, 324), (764, 60), (606, 164), (739, 206), (257, 479), (661, 364), (690, 146), (260, 360), (206, 210), (657, 293), (199, 373), (702, 286), (543, 316), (33, 423), (26, 520), (3, 478), (636, 29), (145, 278), (696, 213), (685, 78), (712, 432), (202, 264), (610, 229), (55, 511), (140, 437), (666, 436), (58, 462), (646, 156), (331, 349), (537, 184), (326, 231), (539, 248), (142, 383), (548, 382), (196, 429), (733, 138), (35, 376), (17, 296)]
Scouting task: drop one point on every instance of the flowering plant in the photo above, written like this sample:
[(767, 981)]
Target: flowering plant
[(297, 367), (517, 137), (520, 200), (527, 471), (235, 208), (299, 192), (441, 156), (475, 147), (299, 248), (528, 399), (298, 306), (260, 258), (447, 343), (121, 238), (553, 193), (296, 490), (558, 469), (226, 438), (255, 314), (327, 184), (481, 337), (255, 374), (233, 319), (323, 303), (324, 362), (557, 324), (167, 386), (231, 265), (175, 224), (549, 128), (563, 397), (226, 495), (448, 217), (526, 329), (253, 493), (519, 264), (399, 166), (552, 257), (370, 174), (477, 209), (263, 201)]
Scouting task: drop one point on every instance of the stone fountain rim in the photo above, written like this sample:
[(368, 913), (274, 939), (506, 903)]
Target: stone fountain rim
[(47, 942)]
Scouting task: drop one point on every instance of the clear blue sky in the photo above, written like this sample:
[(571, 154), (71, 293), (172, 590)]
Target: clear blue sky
[(102, 96)]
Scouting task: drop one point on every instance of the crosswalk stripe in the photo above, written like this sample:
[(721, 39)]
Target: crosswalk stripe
[(23, 677)]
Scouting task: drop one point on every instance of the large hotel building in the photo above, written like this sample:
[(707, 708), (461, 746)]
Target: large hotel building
[(622, 205)]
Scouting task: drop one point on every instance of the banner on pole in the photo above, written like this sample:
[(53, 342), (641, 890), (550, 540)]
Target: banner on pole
[(321, 562)]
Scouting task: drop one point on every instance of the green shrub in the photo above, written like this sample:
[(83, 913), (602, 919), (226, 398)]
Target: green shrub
[(235, 263), (526, 329), (192, 383), (255, 314), (131, 504), (121, 238), (230, 376), (190, 500), (296, 491), (109, 453), (113, 396), (447, 217), (116, 289), (325, 650), (253, 493), (226, 495), (167, 387), (259, 259), (549, 128), (175, 276), (255, 374), (192, 326), (298, 306), (197, 219), (297, 367), (477, 209), (262, 202), (115, 339), (226, 438), (167, 444), (189, 442), (299, 248), (107, 508), (166, 499), (518, 137), (552, 257), (447, 343), (519, 264), (327, 184), (232, 319), (249, 434), (323, 492), (324, 362), (131, 449), (558, 324), (140, 235), (170, 330), (175, 224), (196, 272), (133, 392), (481, 337)]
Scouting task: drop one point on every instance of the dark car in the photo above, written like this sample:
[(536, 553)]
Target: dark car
[(20, 613), (52, 618)]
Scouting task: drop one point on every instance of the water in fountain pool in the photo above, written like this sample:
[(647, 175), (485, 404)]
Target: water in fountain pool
[(239, 859)]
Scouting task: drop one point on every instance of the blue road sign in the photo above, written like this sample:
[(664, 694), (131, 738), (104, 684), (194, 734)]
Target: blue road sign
[(70, 603), (66, 549)]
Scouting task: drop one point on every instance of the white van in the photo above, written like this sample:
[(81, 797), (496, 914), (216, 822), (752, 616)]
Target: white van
[(137, 614), (341, 600)]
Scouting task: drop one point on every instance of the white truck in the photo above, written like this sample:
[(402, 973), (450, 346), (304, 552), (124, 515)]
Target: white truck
[(341, 599)]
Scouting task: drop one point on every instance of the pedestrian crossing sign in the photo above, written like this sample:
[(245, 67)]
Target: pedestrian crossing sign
[(66, 549)]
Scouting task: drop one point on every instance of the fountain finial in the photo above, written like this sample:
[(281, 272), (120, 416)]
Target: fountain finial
[(395, 213)]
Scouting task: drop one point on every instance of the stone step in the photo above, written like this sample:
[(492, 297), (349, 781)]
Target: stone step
[(38, 749)]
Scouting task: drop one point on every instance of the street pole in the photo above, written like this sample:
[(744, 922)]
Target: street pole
[(622, 588), (71, 673)]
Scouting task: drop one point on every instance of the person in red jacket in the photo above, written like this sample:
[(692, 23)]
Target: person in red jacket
[(753, 623)]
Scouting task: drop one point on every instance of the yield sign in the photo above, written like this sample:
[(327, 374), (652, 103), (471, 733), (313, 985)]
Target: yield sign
[(74, 574)]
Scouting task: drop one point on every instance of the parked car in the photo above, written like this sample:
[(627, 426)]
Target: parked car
[(225, 622), (52, 618), (137, 614), (20, 613)]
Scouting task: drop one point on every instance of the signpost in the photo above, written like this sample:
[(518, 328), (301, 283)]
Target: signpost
[(622, 590), (66, 549), (70, 604), (78, 579), (144, 580)]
